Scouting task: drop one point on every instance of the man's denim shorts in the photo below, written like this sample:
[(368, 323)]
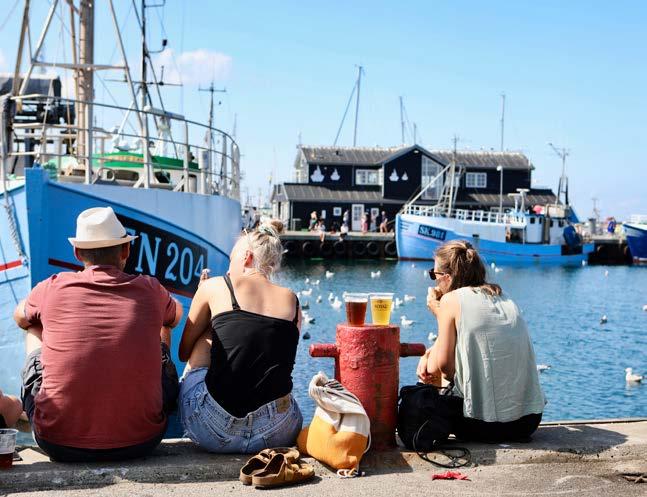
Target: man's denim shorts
[(275, 424)]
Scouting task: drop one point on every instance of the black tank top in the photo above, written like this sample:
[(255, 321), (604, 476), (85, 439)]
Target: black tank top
[(252, 357)]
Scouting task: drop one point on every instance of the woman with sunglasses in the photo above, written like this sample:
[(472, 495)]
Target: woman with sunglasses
[(483, 350), (240, 341)]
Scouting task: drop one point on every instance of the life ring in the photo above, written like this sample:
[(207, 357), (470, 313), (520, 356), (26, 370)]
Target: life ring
[(359, 248), (326, 249), (390, 249), (340, 248), (309, 249), (291, 247), (373, 248)]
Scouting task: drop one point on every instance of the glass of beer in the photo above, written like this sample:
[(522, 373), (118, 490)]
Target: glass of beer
[(7, 447), (356, 308), (381, 307)]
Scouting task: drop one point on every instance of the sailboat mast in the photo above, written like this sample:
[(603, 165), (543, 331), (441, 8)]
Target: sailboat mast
[(85, 82), (452, 174), (359, 84)]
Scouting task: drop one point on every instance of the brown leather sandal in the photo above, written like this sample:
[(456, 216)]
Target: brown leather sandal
[(281, 472), (258, 463)]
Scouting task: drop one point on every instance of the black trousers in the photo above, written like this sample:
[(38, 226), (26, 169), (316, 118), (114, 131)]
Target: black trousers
[(475, 430)]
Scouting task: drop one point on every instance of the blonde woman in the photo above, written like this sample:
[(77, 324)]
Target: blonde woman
[(240, 341), (483, 348)]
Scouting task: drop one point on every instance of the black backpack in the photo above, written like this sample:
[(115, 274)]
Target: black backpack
[(426, 417)]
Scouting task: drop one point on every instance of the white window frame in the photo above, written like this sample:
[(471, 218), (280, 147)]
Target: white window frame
[(428, 170), (367, 177), (475, 180)]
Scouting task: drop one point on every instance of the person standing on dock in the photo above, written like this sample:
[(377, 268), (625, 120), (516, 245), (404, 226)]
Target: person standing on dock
[(364, 223), (384, 224), (313, 221), (98, 380)]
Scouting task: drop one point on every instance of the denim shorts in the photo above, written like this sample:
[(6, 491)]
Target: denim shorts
[(275, 424)]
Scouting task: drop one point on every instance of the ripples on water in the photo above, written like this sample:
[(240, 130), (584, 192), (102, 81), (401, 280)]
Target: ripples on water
[(562, 307)]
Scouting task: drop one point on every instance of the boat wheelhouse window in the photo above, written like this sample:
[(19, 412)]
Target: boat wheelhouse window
[(126, 174), (476, 180), (367, 177), (561, 223), (163, 177), (532, 220), (430, 170), (552, 223)]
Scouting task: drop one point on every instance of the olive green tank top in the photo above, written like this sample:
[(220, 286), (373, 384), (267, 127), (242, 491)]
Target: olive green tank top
[(496, 371)]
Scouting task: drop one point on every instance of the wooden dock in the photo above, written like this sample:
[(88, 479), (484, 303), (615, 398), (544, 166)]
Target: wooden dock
[(355, 245)]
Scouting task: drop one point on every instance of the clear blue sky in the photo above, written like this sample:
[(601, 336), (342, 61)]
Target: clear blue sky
[(575, 73)]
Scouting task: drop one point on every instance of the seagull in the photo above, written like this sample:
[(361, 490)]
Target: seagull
[(305, 305), (425, 273), (307, 292), (498, 269), (329, 274), (606, 273), (432, 336), (315, 282), (406, 322), (413, 265), (336, 304), (331, 297), (307, 318), (307, 281), (645, 308), (492, 265), (319, 299), (603, 319), (397, 302), (409, 298), (376, 274), (630, 377), (306, 336), (583, 263), (542, 367)]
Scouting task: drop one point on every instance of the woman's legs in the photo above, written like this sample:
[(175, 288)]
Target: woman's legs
[(475, 430)]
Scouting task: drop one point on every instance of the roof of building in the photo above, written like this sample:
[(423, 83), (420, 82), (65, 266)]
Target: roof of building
[(379, 155), (533, 197), (316, 193)]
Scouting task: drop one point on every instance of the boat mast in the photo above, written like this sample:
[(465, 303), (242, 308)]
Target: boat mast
[(452, 174), (562, 188), (84, 77), (144, 102)]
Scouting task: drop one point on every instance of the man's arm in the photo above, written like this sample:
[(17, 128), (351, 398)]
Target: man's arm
[(19, 316)]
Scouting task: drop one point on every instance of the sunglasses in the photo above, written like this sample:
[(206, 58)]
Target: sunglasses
[(433, 274)]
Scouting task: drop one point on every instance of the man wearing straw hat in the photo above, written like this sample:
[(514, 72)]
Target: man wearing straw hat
[(91, 382)]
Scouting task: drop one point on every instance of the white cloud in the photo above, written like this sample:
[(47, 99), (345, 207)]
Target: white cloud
[(198, 67)]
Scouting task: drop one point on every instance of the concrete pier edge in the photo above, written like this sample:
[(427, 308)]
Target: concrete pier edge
[(179, 460)]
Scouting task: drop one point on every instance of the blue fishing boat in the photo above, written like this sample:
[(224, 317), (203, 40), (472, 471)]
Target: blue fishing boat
[(636, 232), (521, 235), (177, 187)]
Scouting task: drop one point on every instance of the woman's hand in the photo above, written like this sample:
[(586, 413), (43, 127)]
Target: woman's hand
[(427, 371), (204, 276), (433, 299)]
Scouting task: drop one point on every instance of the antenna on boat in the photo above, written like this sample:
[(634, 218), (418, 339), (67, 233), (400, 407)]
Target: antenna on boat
[(562, 189), (502, 118)]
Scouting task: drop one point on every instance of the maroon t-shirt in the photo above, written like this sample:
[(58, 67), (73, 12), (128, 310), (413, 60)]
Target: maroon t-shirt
[(101, 357)]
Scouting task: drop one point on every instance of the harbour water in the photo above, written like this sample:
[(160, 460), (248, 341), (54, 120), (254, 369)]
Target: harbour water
[(562, 307)]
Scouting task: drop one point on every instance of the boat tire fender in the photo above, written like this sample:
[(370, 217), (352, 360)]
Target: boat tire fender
[(340, 248), (359, 248), (373, 248), (390, 249), (327, 249), (309, 249)]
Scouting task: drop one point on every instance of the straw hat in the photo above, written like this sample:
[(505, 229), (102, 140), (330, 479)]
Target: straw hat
[(99, 227)]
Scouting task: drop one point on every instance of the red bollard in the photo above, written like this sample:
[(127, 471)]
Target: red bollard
[(367, 362)]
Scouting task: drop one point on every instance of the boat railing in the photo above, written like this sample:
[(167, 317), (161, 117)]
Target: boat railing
[(468, 215), (52, 137)]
